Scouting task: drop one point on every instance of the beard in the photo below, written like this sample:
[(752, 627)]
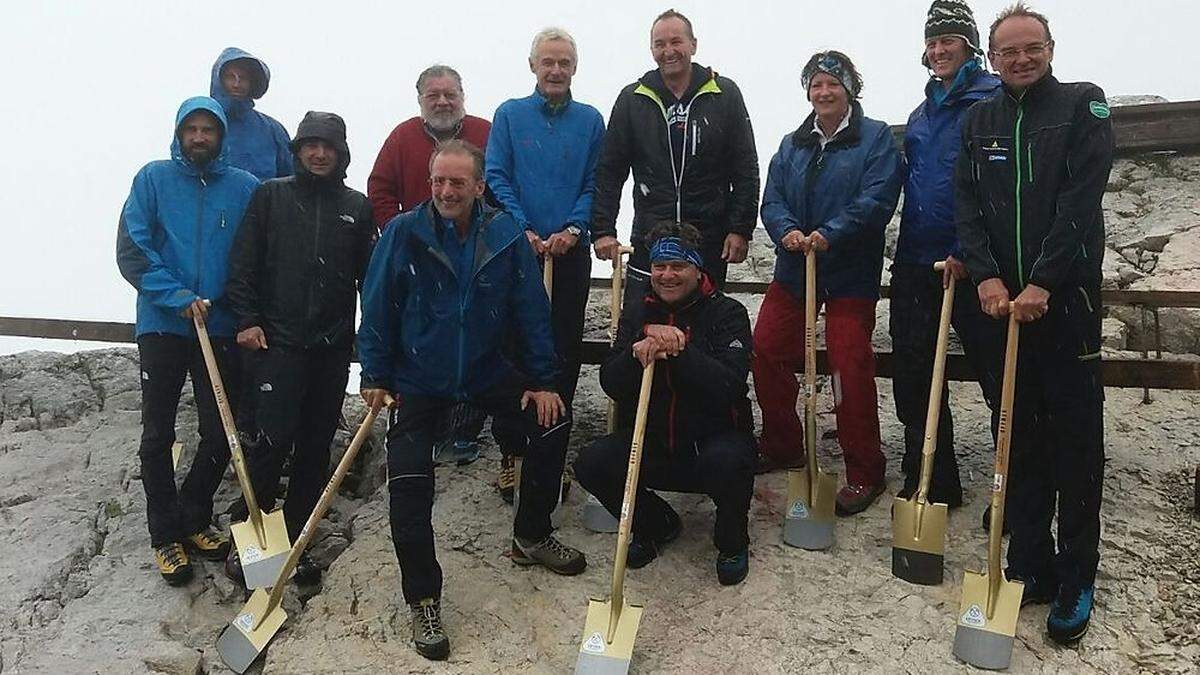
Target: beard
[(443, 121), (200, 155)]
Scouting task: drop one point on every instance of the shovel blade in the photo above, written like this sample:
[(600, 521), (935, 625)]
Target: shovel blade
[(597, 656), (983, 641), (597, 518), (240, 643), (808, 523), (261, 565), (918, 541)]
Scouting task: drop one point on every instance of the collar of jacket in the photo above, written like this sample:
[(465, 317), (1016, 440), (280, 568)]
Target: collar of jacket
[(705, 290), (430, 228), (1034, 91), (704, 80), (311, 182), (548, 107), (970, 83), (805, 138), (433, 135)]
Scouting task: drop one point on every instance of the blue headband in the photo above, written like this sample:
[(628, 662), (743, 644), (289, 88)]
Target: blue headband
[(670, 249)]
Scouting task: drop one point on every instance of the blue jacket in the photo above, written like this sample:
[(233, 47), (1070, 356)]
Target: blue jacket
[(175, 233), (931, 143), (847, 192), (256, 142), (541, 162), (421, 335)]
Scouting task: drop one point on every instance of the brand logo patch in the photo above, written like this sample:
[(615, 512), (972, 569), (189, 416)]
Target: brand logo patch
[(347, 218), (1099, 109), (736, 344), (594, 644), (798, 510), (973, 617)]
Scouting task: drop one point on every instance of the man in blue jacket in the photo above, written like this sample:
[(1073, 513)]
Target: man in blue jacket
[(173, 242), (927, 235), (541, 159), (448, 284), (256, 141)]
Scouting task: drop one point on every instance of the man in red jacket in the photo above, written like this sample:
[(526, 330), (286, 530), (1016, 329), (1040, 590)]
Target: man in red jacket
[(400, 179)]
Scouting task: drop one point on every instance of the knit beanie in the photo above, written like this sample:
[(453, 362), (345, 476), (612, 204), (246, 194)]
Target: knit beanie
[(954, 18), (836, 64)]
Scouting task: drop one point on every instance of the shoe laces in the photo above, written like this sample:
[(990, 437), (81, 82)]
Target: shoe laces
[(556, 547), (206, 538), (429, 618), (1067, 602), (172, 555), (732, 559), (508, 471)]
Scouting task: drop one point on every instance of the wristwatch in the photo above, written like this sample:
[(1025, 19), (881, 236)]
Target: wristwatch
[(573, 230)]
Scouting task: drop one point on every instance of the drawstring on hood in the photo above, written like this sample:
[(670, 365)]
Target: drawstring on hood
[(237, 107)]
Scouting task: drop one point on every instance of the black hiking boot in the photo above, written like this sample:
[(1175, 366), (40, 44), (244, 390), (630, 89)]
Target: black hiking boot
[(429, 638), (732, 569), (643, 550)]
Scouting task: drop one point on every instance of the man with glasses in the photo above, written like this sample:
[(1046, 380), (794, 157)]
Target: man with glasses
[(1030, 176)]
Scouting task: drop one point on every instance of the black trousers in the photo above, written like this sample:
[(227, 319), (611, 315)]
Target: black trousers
[(637, 280), (166, 360), (721, 467), (1058, 442), (572, 281), (410, 479), (299, 402), (916, 306)]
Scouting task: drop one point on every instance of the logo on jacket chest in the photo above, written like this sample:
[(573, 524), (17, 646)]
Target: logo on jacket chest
[(347, 219), (996, 150)]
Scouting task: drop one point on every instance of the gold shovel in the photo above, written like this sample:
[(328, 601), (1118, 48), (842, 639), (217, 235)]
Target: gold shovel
[(808, 523), (919, 527), (987, 615), (610, 628), (260, 618), (262, 541)]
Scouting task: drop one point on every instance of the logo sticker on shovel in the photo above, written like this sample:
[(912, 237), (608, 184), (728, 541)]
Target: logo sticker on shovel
[(244, 621), (798, 510), (974, 617), (594, 644), (252, 554)]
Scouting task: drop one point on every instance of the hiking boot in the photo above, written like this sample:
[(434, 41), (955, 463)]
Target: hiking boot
[(173, 563), (852, 499), (233, 568), (643, 550), (549, 553), (987, 522), (429, 637), (766, 464), (732, 569), (1039, 588), (307, 571), (506, 482), (1070, 613), (208, 544)]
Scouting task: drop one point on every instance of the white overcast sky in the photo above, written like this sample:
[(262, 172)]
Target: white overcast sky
[(92, 88)]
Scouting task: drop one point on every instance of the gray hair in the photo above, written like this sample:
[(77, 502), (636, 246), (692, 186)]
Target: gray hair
[(1017, 10), (552, 33), (457, 146), (437, 70)]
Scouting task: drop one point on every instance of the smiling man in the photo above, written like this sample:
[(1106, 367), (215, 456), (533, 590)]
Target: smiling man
[(1030, 177), (685, 133)]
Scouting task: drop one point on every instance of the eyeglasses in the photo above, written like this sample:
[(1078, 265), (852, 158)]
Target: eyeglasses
[(1033, 51)]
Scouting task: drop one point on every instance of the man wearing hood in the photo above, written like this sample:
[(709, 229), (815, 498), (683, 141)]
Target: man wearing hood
[(299, 258), (927, 235), (173, 242), (698, 428), (257, 142), (685, 133)]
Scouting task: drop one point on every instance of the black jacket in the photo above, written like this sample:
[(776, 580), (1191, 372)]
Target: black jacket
[(697, 394), (301, 253), (1028, 185), (713, 186)]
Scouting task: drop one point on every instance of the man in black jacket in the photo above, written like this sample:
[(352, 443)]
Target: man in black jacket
[(1029, 181), (698, 431), (298, 260), (685, 133)]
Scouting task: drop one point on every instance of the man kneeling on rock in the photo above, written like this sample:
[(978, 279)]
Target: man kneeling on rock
[(448, 283), (698, 429)]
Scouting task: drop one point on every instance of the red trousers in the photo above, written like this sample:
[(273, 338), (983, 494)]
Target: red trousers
[(779, 351)]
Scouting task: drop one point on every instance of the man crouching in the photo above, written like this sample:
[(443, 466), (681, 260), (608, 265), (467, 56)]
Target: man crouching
[(448, 282), (698, 428)]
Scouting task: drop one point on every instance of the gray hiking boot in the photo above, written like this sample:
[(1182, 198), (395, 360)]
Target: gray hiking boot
[(549, 553), (428, 636)]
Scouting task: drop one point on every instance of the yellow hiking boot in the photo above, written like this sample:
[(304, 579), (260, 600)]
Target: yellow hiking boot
[(173, 563), (208, 544)]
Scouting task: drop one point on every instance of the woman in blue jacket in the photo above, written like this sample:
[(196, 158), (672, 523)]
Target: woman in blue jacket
[(832, 186)]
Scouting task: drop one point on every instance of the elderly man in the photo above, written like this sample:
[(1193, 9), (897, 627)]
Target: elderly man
[(300, 255), (400, 179), (541, 158), (698, 429), (448, 285), (173, 241), (1030, 177), (684, 131), (256, 141)]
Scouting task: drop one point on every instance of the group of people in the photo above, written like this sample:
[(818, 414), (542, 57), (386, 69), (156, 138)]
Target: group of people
[(259, 235)]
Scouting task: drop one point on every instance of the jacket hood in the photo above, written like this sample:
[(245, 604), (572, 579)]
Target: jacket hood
[(700, 76), (804, 135), (328, 127), (186, 108), (238, 107), (971, 83)]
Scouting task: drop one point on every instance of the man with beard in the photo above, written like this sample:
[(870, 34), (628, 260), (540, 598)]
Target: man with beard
[(300, 254), (173, 241), (255, 141)]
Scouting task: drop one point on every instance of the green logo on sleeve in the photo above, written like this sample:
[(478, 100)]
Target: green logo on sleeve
[(1099, 109)]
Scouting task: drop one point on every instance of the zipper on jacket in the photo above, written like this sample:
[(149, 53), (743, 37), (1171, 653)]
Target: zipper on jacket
[(200, 233), (671, 407), (1029, 159), (1017, 164), (316, 254), (466, 297), (677, 173)]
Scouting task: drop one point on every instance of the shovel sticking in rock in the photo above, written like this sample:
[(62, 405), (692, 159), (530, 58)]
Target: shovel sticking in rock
[(808, 523), (919, 527), (260, 618), (262, 541), (611, 627), (987, 615)]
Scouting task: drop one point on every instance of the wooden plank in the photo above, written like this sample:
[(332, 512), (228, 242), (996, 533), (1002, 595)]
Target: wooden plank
[(66, 329)]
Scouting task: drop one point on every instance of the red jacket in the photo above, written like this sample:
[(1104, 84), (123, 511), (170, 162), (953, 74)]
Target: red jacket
[(400, 179)]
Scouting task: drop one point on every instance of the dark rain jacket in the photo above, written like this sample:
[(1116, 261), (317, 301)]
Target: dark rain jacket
[(714, 185), (697, 394), (1030, 177), (257, 142)]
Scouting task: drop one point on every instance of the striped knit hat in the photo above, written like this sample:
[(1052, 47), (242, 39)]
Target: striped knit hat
[(951, 17)]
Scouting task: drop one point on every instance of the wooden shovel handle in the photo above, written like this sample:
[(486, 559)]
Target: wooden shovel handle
[(618, 281), (1003, 443), (548, 275), (627, 504), (936, 385), (810, 365)]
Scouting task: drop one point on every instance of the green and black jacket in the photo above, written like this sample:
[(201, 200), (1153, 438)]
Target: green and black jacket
[(1029, 181)]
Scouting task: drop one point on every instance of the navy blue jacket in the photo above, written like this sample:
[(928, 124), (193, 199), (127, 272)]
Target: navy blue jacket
[(541, 162), (931, 143), (256, 142), (175, 232), (421, 334), (847, 192)]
